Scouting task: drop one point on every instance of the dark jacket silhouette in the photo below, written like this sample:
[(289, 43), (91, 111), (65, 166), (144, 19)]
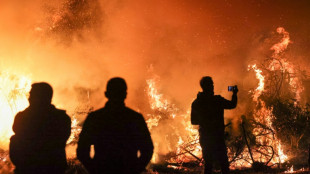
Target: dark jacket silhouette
[(41, 132), (120, 136), (208, 113)]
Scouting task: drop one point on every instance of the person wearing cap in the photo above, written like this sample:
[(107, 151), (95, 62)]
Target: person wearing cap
[(208, 112), (40, 135), (121, 139)]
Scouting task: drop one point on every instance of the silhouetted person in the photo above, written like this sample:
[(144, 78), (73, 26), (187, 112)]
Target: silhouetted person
[(120, 136), (208, 113), (41, 132)]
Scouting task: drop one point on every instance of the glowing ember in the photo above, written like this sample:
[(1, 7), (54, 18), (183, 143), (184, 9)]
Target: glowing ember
[(13, 98), (290, 170)]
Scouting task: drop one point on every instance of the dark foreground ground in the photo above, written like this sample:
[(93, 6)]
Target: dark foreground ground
[(75, 167)]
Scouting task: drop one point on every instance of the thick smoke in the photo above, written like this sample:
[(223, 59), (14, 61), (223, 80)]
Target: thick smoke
[(77, 45)]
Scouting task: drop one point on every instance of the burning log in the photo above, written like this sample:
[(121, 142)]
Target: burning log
[(189, 148)]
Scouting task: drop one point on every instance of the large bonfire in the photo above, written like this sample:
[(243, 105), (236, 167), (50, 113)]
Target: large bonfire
[(259, 142)]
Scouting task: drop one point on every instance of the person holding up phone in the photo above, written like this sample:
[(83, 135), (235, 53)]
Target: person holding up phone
[(208, 112)]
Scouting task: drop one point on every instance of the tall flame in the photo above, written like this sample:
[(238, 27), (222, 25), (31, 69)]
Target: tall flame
[(261, 85), (182, 130), (280, 63), (13, 98), (156, 99), (282, 45), (264, 115)]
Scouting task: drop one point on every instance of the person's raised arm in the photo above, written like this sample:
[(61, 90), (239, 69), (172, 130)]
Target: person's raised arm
[(230, 104)]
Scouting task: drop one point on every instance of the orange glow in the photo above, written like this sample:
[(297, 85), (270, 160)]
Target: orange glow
[(13, 98), (183, 131), (156, 100), (264, 116), (282, 45), (75, 129), (280, 63), (78, 47)]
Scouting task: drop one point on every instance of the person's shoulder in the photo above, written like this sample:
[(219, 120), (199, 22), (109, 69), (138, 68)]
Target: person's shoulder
[(62, 114), (195, 100), (22, 113), (61, 111), (199, 99), (196, 103), (133, 113), (218, 97), (96, 114)]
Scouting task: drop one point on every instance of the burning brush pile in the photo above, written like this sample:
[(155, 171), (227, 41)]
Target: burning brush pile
[(272, 133)]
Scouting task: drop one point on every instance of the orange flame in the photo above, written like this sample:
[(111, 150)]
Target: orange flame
[(13, 98), (260, 88), (264, 116), (184, 131), (281, 46), (280, 63), (75, 129)]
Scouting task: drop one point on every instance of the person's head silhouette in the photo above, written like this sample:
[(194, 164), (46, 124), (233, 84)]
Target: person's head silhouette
[(206, 84), (40, 94), (116, 90)]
